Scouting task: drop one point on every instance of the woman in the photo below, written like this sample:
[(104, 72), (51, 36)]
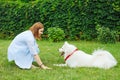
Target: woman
[(24, 49)]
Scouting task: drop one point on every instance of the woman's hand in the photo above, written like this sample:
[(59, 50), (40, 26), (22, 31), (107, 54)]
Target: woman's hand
[(44, 67)]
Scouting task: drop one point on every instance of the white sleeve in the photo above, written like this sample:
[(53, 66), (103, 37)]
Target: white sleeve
[(32, 47)]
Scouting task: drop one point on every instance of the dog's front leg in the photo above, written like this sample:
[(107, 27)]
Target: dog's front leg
[(61, 65)]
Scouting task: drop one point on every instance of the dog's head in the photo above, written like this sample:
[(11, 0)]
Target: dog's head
[(66, 49)]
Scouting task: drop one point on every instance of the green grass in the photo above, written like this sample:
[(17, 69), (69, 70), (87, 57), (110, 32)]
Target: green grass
[(50, 55)]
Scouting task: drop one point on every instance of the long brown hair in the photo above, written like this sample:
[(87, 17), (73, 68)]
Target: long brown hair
[(35, 28)]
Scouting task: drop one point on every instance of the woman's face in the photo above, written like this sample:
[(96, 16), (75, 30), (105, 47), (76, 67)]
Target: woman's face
[(40, 31)]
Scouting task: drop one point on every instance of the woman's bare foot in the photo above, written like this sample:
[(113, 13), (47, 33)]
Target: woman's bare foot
[(33, 66)]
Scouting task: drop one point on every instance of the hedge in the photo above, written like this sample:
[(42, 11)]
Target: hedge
[(78, 18)]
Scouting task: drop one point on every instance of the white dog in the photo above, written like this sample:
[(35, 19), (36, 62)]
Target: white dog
[(77, 58)]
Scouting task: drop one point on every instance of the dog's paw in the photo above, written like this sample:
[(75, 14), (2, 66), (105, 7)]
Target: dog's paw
[(59, 64)]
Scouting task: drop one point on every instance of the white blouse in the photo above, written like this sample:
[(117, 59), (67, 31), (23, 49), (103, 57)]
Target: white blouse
[(22, 49)]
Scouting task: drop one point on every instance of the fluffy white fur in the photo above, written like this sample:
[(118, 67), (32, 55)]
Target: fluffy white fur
[(99, 58)]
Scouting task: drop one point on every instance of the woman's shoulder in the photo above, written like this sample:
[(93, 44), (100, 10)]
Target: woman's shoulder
[(27, 34)]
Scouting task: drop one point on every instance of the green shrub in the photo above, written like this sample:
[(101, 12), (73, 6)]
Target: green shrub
[(55, 34), (105, 35)]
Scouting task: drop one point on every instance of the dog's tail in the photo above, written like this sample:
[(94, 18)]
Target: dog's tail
[(103, 59)]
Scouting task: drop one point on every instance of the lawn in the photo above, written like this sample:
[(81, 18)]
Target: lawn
[(50, 55)]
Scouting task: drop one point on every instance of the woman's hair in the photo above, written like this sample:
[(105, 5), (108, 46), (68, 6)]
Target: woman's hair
[(35, 28)]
